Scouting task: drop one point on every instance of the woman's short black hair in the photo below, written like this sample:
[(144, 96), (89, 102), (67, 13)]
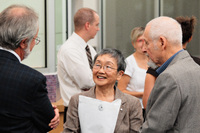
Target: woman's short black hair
[(116, 54)]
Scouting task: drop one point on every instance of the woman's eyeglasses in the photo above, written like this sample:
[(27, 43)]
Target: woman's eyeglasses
[(140, 40), (106, 68)]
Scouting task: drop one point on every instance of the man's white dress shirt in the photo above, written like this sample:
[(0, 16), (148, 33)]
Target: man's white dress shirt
[(73, 68)]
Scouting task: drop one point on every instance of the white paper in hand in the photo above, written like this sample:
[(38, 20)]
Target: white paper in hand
[(98, 116)]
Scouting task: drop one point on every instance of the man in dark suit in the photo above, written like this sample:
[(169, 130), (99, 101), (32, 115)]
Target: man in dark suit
[(173, 105), (24, 104)]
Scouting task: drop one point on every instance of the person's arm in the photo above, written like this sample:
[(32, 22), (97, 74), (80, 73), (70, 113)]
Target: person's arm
[(163, 106), (148, 86), (122, 85), (55, 121), (72, 124), (78, 70), (42, 110)]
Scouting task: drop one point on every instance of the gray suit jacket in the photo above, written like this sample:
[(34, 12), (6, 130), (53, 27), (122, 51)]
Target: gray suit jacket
[(129, 120), (174, 103)]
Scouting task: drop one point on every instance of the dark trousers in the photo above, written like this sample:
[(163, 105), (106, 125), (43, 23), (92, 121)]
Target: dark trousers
[(65, 114)]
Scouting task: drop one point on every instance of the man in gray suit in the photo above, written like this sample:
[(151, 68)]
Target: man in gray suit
[(174, 103)]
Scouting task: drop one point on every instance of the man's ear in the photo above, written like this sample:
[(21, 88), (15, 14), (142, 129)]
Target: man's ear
[(23, 44), (87, 25), (163, 42)]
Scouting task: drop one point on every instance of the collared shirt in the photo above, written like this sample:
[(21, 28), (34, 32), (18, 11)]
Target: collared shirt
[(73, 68), (164, 66), (11, 51)]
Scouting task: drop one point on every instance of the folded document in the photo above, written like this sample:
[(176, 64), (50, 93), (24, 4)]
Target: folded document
[(98, 116)]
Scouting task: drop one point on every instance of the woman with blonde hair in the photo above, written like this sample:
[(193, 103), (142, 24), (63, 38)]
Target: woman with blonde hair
[(132, 82)]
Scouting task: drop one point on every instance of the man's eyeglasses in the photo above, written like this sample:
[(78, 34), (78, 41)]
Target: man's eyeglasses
[(106, 68), (37, 40)]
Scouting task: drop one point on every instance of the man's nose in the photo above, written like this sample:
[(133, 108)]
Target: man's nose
[(144, 47)]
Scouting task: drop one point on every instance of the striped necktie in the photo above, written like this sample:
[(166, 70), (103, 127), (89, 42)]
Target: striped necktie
[(89, 56)]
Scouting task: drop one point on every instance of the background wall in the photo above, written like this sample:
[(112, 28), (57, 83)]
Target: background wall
[(39, 50), (121, 16), (118, 18)]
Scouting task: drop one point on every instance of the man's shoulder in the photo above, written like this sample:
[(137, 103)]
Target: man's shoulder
[(26, 70), (19, 68), (70, 46), (180, 70), (184, 63)]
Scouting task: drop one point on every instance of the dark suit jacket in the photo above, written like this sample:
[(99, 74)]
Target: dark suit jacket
[(174, 103), (129, 119), (24, 104)]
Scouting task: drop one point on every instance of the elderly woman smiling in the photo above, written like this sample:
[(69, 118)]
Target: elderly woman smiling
[(109, 66)]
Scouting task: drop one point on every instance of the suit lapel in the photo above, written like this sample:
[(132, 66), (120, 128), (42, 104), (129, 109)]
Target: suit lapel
[(123, 109)]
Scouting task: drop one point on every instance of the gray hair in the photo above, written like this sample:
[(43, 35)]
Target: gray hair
[(167, 27), (135, 33), (116, 54), (16, 26)]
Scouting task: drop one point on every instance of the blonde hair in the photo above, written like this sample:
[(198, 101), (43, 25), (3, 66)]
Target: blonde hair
[(135, 33)]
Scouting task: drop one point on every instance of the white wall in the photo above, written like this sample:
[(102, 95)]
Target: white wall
[(37, 56)]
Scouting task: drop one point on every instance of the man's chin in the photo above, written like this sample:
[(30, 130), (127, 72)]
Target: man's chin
[(152, 64), (26, 54)]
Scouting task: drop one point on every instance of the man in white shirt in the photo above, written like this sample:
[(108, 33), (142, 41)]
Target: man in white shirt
[(74, 71)]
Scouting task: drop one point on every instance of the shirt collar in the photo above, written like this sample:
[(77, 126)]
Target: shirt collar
[(164, 66), (80, 40), (11, 51)]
